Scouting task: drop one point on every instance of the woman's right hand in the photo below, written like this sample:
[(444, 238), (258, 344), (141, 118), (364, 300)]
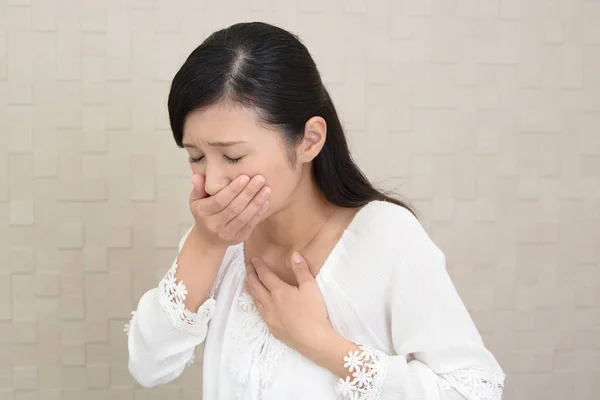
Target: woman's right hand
[(229, 216)]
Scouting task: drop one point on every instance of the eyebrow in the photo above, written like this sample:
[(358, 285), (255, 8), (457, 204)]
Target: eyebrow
[(217, 144)]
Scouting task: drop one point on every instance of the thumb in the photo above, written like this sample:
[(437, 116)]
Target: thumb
[(301, 270), (198, 191)]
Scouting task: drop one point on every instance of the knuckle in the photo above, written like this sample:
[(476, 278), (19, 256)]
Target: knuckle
[(250, 191), (257, 203), (211, 225), (262, 209), (220, 202), (235, 208), (255, 218), (244, 219), (199, 209), (230, 213), (250, 227)]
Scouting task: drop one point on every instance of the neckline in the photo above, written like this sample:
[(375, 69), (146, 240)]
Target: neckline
[(336, 248)]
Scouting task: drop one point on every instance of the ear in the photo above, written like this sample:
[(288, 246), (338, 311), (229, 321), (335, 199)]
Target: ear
[(315, 133)]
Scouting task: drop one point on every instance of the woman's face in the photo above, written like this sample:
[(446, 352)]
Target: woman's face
[(224, 142)]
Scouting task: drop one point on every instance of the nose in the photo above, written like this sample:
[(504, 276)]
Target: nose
[(215, 181)]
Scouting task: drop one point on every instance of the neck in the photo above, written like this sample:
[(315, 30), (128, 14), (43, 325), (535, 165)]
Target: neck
[(296, 224)]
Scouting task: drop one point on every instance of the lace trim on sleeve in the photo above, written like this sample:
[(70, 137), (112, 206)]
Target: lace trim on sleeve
[(474, 383), (368, 368), (172, 294)]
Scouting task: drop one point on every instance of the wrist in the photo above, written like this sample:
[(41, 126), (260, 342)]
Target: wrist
[(328, 349), (209, 247), (319, 339)]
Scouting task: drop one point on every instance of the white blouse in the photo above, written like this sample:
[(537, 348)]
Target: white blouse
[(386, 289)]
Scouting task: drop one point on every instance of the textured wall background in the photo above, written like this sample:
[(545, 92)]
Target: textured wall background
[(484, 113)]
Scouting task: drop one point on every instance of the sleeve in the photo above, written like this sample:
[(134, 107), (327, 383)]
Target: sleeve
[(162, 333), (438, 352)]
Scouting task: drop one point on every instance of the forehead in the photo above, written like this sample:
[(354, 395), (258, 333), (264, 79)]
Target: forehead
[(223, 123)]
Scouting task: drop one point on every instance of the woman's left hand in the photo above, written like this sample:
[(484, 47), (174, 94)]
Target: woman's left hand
[(295, 315)]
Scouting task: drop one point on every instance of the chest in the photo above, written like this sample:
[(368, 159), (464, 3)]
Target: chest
[(280, 260), (247, 361)]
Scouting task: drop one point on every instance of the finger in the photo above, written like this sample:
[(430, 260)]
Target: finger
[(301, 269), (256, 288), (198, 191), (267, 277), (245, 198), (246, 230), (259, 306), (223, 198), (248, 213), (255, 299)]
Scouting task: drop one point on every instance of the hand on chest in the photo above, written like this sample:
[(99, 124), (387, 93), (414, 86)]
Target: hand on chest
[(281, 264), (316, 252)]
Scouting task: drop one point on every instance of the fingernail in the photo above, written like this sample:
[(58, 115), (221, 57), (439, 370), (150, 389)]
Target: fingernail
[(244, 180), (297, 257), (259, 181), (266, 192)]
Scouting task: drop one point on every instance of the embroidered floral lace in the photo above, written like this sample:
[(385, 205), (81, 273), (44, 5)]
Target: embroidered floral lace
[(474, 383), (367, 367), (256, 348), (171, 296)]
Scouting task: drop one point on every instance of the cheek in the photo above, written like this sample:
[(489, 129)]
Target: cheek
[(271, 169), (283, 182), (279, 175), (196, 169)]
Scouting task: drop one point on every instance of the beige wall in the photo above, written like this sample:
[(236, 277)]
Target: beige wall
[(484, 113)]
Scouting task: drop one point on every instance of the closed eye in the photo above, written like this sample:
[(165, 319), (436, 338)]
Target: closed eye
[(229, 159), (233, 160)]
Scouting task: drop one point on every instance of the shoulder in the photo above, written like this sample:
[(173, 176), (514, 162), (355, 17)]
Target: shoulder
[(389, 221), (392, 231), (386, 253), (386, 216)]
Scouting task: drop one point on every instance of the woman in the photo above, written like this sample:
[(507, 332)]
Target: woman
[(303, 280)]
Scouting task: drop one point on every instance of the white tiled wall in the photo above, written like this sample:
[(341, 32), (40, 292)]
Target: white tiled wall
[(484, 113)]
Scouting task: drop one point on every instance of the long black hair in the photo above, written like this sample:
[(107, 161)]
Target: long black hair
[(268, 69)]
